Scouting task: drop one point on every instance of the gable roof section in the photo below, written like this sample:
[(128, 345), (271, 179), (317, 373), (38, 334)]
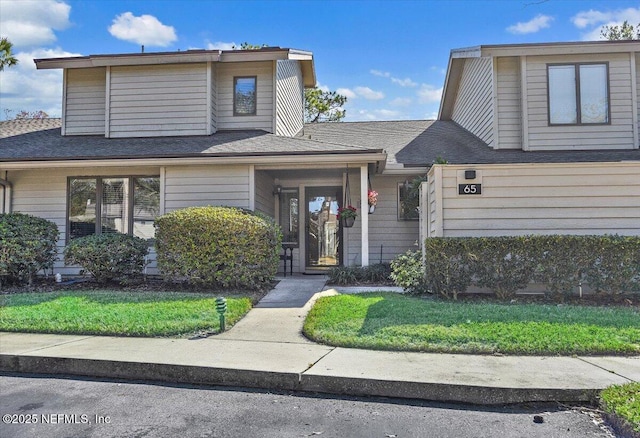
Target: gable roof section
[(22, 142), (419, 143)]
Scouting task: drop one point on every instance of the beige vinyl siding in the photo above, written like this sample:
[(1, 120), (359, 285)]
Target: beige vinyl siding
[(85, 101), (189, 186), (617, 135), (289, 98), (395, 236), (575, 198), (264, 99), (158, 100), (473, 108), (637, 57), (43, 193), (213, 100), (509, 104), (264, 199)]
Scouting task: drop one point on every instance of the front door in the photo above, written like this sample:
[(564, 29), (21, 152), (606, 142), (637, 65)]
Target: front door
[(323, 228)]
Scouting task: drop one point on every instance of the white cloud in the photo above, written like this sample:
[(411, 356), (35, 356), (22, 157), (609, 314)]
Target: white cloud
[(538, 22), (401, 101), (323, 87), (30, 23), (145, 29), (431, 116), (594, 21), (406, 82), (220, 45), (360, 115), (25, 88), (346, 92), (368, 93), (382, 74), (428, 93)]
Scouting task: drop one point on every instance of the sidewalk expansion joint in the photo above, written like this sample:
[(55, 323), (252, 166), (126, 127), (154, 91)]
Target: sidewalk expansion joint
[(312, 364), (604, 369), (45, 347)]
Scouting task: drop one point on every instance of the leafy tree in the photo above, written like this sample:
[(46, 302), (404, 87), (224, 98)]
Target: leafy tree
[(6, 57), (323, 106), (22, 115), (625, 31), (247, 46)]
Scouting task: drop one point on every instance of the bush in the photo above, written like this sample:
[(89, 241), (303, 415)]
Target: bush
[(27, 245), (448, 265), (615, 264), (408, 273), (372, 274), (503, 264), (218, 246), (108, 257)]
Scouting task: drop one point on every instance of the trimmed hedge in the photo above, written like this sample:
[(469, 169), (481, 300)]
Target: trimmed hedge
[(348, 275), (27, 245), (610, 264), (222, 247), (109, 256)]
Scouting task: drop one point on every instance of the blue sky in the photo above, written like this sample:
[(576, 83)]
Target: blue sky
[(388, 57)]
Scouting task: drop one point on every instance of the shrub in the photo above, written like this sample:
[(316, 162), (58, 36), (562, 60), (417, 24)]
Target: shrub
[(345, 275), (615, 264), (503, 264), (109, 256), (448, 265), (408, 273), (27, 245), (218, 246)]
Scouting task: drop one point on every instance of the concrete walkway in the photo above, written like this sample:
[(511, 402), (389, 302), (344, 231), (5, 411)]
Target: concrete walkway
[(267, 350)]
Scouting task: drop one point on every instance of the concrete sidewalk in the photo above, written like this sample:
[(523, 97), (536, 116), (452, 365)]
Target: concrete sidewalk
[(266, 350)]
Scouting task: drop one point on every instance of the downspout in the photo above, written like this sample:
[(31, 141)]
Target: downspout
[(6, 194)]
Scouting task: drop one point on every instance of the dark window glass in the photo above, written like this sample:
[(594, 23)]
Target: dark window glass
[(244, 96), (289, 216), (407, 203)]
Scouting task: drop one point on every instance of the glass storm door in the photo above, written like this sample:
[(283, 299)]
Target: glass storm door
[(323, 227)]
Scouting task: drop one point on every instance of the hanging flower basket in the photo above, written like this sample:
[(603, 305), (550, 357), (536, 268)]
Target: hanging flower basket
[(347, 216), (372, 198), (372, 208)]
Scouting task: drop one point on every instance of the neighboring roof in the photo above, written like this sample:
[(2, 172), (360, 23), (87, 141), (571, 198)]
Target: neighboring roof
[(28, 144), (418, 143), (188, 56)]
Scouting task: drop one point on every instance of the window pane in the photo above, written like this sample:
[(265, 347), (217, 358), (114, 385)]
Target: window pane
[(408, 201), (114, 215), (244, 101), (562, 94), (289, 216), (82, 207), (594, 101), (146, 206)]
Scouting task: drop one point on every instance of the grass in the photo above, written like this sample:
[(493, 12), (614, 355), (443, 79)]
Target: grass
[(623, 402), (116, 313), (395, 322)]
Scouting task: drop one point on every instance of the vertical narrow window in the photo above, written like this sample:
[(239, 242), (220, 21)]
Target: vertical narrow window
[(114, 216), (289, 215), (146, 206), (408, 203), (578, 94), (82, 207), (244, 96)]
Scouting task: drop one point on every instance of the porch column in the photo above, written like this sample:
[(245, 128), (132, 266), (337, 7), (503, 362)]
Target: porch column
[(364, 213)]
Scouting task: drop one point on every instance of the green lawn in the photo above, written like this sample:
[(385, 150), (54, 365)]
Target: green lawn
[(623, 401), (396, 322), (116, 313)]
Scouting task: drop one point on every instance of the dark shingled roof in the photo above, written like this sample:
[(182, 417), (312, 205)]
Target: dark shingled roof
[(421, 142), (49, 144), (412, 143)]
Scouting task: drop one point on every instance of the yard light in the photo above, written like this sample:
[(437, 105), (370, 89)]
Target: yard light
[(221, 308)]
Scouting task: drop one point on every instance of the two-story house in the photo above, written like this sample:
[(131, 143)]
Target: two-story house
[(147, 133)]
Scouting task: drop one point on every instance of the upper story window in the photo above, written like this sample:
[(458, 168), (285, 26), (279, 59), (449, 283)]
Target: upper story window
[(99, 205), (244, 96), (578, 94)]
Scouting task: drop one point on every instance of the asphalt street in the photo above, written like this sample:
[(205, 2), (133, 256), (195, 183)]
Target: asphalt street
[(45, 406)]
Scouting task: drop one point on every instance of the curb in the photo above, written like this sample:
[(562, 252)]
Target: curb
[(172, 373)]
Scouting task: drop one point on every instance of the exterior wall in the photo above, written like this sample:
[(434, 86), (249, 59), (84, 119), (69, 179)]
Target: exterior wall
[(43, 193), (473, 108), (289, 98), (617, 135), (84, 111), (264, 103), (158, 100), (578, 198), (264, 199), (385, 230), (189, 186), (637, 57), (213, 103), (509, 110)]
